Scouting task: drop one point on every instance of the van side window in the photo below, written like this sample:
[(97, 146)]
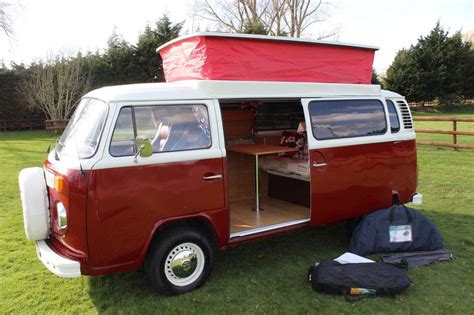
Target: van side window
[(393, 116), (169, 128), (123, 143), (335, 119)]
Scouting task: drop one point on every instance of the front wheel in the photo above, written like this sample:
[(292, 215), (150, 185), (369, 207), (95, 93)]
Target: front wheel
[(179, 261)]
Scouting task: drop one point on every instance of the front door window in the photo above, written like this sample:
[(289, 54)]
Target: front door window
[(169, 128)]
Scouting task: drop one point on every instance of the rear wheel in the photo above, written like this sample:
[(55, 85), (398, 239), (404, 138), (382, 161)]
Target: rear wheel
[(179, 261)]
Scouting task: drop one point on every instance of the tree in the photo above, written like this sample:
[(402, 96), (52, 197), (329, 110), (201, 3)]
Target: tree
[(145, 51), (274, 17), (54, 86), (254, 28), (435, 68), (5, 19), (13, 105), (124, 63), (375, 77)]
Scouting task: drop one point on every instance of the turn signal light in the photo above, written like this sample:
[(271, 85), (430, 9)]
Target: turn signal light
[(58, 183)]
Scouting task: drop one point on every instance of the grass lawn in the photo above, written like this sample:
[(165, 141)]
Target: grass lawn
[(266, 276)]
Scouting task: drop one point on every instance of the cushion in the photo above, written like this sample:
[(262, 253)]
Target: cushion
[(294, 140)]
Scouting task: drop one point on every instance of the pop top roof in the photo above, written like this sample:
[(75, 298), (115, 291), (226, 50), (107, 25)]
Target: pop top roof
[(220, 56)]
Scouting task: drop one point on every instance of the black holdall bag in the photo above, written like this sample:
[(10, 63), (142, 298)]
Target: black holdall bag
[(363, 279), (396, 229)]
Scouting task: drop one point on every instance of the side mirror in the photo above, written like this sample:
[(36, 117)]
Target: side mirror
[(144, 148)]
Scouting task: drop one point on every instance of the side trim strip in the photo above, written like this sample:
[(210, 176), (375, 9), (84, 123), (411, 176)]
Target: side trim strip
[(268, 228)]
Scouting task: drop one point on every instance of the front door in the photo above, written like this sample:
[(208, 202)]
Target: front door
[(350, 157), (131, 195)]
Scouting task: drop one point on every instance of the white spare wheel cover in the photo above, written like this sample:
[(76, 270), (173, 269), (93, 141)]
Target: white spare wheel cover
[(34, 200)]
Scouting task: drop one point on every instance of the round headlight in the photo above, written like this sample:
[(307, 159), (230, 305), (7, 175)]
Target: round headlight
[(62, 215)]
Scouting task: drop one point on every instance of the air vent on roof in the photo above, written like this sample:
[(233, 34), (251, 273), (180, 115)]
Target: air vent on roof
[(406, 116)]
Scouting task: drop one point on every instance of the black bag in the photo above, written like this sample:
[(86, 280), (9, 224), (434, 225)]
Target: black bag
[(347, 279), (397, 229)]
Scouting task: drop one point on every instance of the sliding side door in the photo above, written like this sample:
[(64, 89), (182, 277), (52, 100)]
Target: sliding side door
[(350, 152)]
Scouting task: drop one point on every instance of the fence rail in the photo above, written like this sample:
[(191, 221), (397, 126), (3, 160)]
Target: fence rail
[(454, 132), (429, 104), (20, 124)]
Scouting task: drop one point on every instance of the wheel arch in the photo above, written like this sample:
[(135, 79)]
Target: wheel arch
[(200, 222)]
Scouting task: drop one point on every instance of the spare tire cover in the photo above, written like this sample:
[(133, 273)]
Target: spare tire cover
[(34, 200)]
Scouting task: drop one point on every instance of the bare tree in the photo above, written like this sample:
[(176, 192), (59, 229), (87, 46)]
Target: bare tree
[(302, 14), (279, 17), (55, 86), (5, 19), (232, 14)]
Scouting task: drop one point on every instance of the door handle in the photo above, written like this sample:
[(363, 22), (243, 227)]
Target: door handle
[(211, 177), (318, 165)]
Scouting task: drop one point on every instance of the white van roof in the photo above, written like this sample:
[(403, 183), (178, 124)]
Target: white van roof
[(208, 89)]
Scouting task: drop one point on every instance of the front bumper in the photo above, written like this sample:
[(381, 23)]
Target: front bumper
[(60, 266)]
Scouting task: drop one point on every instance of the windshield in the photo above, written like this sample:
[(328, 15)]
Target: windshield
[(81, 136)]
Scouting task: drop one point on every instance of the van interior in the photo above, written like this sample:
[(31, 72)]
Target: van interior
[(284, 179)]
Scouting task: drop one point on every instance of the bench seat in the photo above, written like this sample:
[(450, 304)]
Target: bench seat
[(285, 166)]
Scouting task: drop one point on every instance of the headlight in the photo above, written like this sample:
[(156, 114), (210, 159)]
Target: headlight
[(62, 215)]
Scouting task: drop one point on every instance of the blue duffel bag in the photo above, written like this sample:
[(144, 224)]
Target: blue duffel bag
[(396, 229)]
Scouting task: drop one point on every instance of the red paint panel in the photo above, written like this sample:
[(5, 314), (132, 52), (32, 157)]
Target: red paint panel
[(220, 58), (360, 179), (125, 204), (74, 199), (404, 169)]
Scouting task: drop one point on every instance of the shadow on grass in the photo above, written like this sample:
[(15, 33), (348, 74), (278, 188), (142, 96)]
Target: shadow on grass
[(237, 272), (23, 152), (269, 276)]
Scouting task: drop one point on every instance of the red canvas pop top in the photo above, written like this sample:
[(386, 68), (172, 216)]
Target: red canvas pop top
[(218, 56)]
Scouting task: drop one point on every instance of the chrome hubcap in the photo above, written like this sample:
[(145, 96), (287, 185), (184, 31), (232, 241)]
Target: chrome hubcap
[(184, 264)]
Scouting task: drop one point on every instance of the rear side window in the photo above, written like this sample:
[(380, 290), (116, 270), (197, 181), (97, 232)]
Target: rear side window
[(335, 119), (169, 128), (393, 116)]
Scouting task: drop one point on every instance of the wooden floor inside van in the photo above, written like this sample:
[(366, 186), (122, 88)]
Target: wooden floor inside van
[(275, 211)]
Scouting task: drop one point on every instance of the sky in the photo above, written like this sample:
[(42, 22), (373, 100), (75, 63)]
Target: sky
[(45, 27)]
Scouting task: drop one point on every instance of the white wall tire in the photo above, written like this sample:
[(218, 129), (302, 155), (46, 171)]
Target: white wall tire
[(179, 261), (34, 201)]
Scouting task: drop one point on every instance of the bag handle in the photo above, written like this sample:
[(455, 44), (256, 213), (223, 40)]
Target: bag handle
[(346, 292), (407, 212)]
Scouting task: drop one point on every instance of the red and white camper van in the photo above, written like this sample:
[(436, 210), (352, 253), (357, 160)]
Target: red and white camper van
[(237, 145)]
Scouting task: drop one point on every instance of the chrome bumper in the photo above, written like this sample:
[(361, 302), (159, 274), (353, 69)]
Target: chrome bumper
[(60, 266), (417, 199)]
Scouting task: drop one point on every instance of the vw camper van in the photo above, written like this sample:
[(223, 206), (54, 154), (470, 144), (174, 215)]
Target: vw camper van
[(163, 175)]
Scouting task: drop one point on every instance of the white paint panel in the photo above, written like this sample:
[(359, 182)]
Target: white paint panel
[(221, 89), (314, 144), (109, 161)]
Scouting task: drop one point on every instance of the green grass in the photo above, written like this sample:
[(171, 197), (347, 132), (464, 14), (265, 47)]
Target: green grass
[(267, 276)]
